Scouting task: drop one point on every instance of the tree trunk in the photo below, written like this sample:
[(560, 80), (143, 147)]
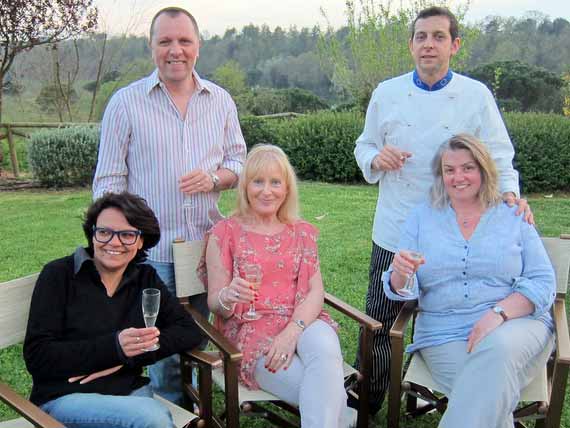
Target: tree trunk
[(98, 79)]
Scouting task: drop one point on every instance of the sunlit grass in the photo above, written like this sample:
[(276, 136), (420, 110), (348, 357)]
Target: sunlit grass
[(39, 226)]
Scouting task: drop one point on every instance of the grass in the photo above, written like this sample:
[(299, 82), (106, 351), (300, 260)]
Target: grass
[(39, 226)]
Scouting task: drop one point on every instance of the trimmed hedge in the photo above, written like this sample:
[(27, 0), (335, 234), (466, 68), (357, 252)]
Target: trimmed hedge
[(64, 157), (321, 146), (542, 150)]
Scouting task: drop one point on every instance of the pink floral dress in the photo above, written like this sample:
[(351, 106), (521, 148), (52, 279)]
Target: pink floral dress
[(288, 260)]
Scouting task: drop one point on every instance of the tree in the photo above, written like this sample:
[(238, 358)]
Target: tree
[(231, 77), (521, 87), (377, 46), (28, 23)]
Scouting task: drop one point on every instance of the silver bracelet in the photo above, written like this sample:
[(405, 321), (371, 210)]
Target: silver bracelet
[(222, 303)]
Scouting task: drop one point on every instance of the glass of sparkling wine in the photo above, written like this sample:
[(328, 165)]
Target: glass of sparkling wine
[(406, 290), (150, 306), (252, 274)]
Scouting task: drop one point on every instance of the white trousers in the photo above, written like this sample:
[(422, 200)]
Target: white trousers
[(484, 386), (314, 380)]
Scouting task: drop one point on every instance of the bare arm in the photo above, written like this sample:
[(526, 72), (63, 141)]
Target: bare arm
[(224, 292)]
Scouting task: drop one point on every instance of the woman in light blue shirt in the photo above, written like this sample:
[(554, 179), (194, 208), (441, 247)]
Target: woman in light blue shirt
[(484, 286)]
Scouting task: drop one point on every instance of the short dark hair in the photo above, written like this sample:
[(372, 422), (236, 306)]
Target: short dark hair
[(173, 12), (135, 210), (438, 11)]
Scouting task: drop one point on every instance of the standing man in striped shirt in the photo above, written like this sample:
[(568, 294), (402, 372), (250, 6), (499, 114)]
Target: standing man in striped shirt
[(175, 140)]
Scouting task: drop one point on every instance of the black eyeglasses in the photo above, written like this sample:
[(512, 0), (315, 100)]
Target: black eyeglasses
[(105, 235)]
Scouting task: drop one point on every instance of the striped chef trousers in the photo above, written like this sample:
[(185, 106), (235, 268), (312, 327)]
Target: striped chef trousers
[(379, 307)]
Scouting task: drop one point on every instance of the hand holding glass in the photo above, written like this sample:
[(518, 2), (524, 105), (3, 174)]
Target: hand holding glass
[(150, 307), (252, 274), (417, 259)]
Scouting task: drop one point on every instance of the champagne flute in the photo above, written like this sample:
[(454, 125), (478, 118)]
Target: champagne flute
[(407, 289), (252, 274), (150, 306)]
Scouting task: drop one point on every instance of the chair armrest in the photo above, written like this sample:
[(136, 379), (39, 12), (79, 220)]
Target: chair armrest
[(351, 312), (228, 350), (562, 336), (399, 327), (27, 409)]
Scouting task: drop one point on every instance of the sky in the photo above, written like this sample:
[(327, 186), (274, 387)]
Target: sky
[(215, 16)]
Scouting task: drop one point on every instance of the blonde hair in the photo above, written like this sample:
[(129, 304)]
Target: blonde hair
[(489, 193), (259, 159)]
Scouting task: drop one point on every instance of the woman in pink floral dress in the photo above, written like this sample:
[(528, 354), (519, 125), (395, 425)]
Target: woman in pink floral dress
[(292, 350)]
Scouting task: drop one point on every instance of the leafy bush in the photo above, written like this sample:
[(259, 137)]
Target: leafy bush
[(257, 131), (542, 147), (321, 145), (64, 157)]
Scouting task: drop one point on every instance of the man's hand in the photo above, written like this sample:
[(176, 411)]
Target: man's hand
[(488, 322), (390, 158), (196, 181), (523, 206)]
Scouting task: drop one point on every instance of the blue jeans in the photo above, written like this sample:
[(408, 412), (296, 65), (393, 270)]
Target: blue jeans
[(138, 410), (165, 374)]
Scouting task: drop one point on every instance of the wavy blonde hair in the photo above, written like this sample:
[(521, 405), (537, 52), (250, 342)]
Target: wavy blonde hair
[(489, 193), (259, 159)]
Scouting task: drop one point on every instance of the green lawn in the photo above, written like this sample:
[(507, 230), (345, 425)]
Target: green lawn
[(39, 226)]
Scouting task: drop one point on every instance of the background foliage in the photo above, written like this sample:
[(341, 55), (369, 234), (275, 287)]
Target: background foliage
[(64, 157)]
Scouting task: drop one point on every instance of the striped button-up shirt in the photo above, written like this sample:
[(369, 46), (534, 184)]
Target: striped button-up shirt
[(146, 146)]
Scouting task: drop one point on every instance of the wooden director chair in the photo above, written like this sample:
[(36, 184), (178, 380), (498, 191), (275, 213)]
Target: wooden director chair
[(542, 400), (15, 298), (221, 367)]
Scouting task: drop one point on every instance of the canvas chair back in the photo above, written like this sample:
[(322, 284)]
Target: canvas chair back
[(15, 298), (186, 257), (558, 250)]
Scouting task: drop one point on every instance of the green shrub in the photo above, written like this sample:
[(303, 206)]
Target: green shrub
[(542, 150), (257, 131), (321, 145), (64, 157)]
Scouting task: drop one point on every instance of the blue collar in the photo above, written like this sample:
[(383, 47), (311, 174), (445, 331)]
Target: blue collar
[(436, 86)]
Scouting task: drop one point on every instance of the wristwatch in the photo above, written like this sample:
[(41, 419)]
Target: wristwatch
[(215, 179), (500, 311), (301, 324)]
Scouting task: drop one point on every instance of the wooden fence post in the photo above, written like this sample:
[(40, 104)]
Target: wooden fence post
[(12, 147)]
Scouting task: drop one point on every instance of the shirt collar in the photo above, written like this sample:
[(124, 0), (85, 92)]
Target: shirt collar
[(440, 84), (153, 81), (79, 258)]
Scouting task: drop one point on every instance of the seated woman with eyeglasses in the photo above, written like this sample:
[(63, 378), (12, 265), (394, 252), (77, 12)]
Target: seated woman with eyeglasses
[(86, 343)]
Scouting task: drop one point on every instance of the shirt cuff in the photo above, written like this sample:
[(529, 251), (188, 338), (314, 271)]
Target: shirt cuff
[(124, 359), (390, 294)]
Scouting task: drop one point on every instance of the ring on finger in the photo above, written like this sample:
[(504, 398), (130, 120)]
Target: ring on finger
[(138, 339), (283, 357), (236, 294)]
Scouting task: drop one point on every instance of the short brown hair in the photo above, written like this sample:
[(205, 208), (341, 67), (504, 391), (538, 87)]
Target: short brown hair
[(173, 12), (136, 211), (489, 194), (438, 11)]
